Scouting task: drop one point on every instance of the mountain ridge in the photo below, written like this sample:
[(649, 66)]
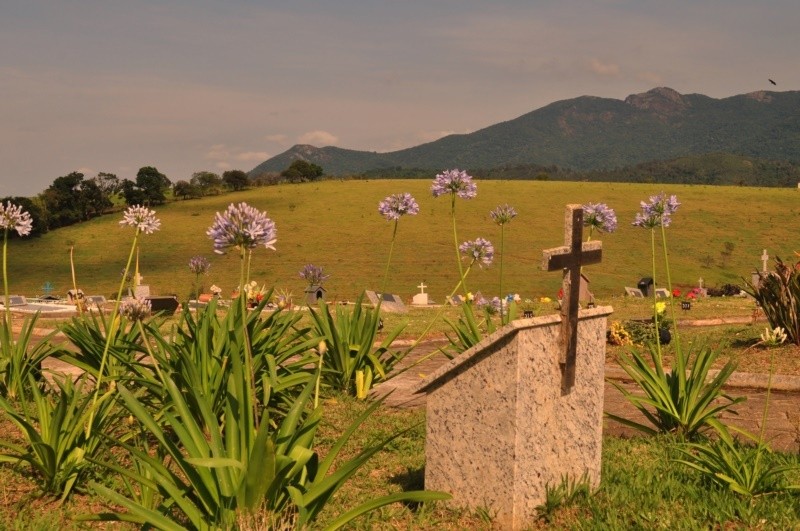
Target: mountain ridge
[(590, 133)]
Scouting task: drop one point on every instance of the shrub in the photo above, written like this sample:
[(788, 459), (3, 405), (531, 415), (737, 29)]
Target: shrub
[(778, 294)]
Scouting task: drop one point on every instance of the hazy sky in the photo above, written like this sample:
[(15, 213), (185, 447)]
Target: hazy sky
[(190, 85)]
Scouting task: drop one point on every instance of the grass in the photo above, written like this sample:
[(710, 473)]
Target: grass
[(335, 224), (641, 487)]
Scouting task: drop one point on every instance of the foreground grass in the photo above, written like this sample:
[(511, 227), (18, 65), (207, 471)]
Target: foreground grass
[(641, 487)]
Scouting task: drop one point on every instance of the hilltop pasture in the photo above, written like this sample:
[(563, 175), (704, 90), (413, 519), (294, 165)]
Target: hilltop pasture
[(718, 234)]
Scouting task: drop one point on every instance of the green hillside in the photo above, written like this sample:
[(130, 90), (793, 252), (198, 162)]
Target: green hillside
[(335, 224), (590, 133)]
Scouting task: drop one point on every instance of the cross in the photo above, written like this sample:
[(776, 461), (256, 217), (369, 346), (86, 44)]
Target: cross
[(569, 259), (48, 288), (700, 282), (422, 287), (764, 258)]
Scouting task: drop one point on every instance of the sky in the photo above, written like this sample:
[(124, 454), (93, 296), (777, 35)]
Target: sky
[(201, 85)]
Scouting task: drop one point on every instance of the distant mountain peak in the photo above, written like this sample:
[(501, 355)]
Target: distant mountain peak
[(591, 133), (663, 101)]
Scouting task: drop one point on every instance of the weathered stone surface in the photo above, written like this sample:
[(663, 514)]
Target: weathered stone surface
[(499, 429)]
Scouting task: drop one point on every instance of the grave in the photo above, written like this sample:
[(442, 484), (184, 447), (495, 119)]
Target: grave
[(388, 301), (167, 305), (314, 294), (421, 298), (755, 277), (523, 409)]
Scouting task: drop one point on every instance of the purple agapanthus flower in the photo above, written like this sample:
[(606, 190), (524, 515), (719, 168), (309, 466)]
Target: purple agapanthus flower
[(242, 226), (199, 265), (657, 212), (599, 216), (503, 214), (456, 182), (136, 309), (479, 250), (141, 218), (397, 205), (314, 275), (12, 217)]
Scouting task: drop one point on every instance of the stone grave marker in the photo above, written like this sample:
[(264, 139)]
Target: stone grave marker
[(389, 302), (755, 277), (501, 425), (764, 260), (421, 298)]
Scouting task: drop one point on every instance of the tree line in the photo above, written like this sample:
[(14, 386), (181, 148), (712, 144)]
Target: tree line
[(75, 198)]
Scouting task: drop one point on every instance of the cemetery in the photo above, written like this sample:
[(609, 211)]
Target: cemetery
[(449, 402)]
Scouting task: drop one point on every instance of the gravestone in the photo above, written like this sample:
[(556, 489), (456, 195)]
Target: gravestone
[(421, 298), (701, 290), (141, 291), (503, 420), (389, 302)]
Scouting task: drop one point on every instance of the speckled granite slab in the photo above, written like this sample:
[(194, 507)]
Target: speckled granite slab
[(499, 428)]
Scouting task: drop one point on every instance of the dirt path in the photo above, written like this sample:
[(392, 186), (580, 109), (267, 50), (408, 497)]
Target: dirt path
[(783, 419)]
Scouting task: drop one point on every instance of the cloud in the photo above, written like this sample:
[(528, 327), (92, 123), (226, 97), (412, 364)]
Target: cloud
[(318, 138), (224, 155), (650, 77), (596, 66), (277, 138), (257, 156)]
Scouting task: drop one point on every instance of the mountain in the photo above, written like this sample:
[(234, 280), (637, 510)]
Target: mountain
[(591, 133)]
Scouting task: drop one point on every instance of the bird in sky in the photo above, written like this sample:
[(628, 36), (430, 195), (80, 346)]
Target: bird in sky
[(772, 82)]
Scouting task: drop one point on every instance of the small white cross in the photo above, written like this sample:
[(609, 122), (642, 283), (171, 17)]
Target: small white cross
[(701, 282), (764, 258), (422, 287)]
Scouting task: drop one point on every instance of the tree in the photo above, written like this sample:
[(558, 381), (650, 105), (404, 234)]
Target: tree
[(132, 193), (63, 200), (153, 185), (236, 179), (185, 190), (207, 182), (302, 171)]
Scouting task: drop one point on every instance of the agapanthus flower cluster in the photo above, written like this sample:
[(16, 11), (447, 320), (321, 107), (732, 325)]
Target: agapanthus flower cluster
[(136, 309), (503, 214), (456, 182), (12, 217), (141, 218), (397, 205), (599, 216), (242, 226), (199, 265), (657, 212), (314, 275), (479, 250)]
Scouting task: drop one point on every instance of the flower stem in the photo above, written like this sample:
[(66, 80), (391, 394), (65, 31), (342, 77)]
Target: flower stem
[(455, 240), (389, 261), (438, 314), (6, 300), (248, 358), (655, 310), (502, 244), (111, 329)]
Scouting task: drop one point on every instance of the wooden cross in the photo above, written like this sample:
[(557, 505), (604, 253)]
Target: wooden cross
[(570, 258), (764, 259), (422, 287)]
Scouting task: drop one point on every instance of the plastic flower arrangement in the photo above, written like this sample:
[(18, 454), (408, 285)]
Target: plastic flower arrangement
[(254, 292), (773, 337)]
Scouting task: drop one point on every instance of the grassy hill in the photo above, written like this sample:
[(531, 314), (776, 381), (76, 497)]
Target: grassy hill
[(335, 224), (591, 133)]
